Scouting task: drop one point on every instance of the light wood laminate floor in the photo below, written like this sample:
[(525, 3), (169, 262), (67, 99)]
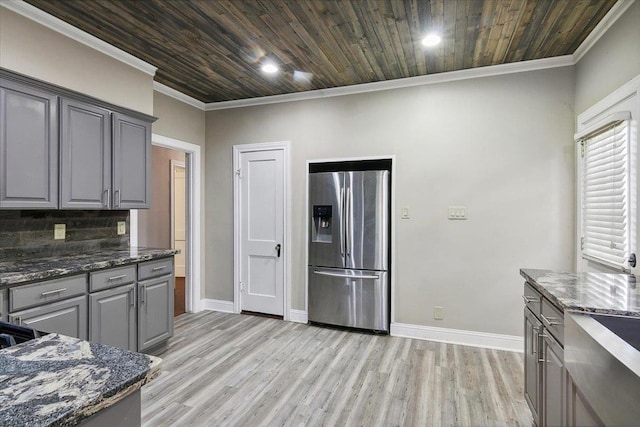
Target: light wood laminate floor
[(240, 370)]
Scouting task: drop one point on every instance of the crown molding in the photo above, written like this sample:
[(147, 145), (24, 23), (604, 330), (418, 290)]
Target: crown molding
[(451, 76), (59, 26), (166, 90), (603, 26)]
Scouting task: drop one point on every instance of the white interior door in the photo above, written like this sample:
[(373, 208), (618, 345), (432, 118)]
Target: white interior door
[(178, 213), (261, 240)]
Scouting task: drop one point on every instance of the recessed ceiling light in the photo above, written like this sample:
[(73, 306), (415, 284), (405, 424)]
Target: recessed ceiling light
[(431, 40), (269, 68)]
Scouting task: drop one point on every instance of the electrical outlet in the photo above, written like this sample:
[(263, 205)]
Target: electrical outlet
[(59, 231), (437, 313), (122, 228)]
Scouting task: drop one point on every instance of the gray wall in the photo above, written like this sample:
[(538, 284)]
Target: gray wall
[(502, 146), (35, 50), (611, 62), (154, 225)]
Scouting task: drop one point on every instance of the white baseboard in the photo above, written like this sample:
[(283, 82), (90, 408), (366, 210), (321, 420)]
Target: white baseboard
[(299, 316), (217, 305), (458, 336)]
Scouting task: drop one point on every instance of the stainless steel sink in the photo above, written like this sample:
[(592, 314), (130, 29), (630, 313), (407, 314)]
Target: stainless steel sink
[(604, 364), (627, 328)]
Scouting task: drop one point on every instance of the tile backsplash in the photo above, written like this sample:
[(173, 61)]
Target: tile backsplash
[(31, 233)]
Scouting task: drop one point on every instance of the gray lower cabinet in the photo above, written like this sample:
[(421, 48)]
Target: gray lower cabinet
[(28, 147), (553, 382), (112, 317), (545, 375), (85, 156), (155, 311), (532, 371), (4, 305), (68, 317), (579, 412), (131, 162)]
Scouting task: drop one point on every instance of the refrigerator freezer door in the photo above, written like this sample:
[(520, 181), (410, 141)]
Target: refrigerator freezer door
[(353, 298), (326, 235), (367, 220)]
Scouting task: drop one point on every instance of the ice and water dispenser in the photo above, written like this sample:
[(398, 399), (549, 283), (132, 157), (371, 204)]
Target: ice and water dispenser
[(321, 224)]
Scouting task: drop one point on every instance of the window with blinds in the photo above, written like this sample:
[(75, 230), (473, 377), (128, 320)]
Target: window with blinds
[(605, 194)]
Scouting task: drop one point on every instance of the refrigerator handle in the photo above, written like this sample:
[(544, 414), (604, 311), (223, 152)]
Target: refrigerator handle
[(342, 215), (348, 209), (346, 276)]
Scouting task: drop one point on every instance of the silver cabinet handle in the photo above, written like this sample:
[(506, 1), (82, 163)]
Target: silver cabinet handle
[(143, 291), (108, 193), (57, 291), (159, 268), (117, 197), (551, 321), (346, 276), (111, 279), (132, 295), (527, 299)]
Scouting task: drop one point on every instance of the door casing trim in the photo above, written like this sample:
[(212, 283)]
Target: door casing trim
[(194, 232), (237, 151)]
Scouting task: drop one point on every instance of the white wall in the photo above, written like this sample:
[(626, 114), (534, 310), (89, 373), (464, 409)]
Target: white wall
[(502, 146), (29, 48), (611, 62)]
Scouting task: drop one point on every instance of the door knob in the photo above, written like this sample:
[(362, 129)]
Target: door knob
[(278, 249)]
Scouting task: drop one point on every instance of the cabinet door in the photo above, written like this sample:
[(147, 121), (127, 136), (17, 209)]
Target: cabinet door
[(553, 383), (131, 162), (85, 156), (67, 317), (28, 147), (532, 369), (155, 311), (112, 317)]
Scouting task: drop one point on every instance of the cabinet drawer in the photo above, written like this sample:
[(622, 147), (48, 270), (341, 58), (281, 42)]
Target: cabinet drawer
[(68, 317), (150, 269), (40, 293), (553, 320), (532, 299), (112, 277)]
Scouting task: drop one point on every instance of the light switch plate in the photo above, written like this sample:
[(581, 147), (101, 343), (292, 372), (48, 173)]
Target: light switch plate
[(122, 228), (405, 212), (457, 212), (59, 231)]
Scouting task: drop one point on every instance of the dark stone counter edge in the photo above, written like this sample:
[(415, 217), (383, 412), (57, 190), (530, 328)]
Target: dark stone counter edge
[(11, 279), (574, 308)]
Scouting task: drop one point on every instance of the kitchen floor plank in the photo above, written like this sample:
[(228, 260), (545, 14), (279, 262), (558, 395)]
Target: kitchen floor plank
[(236, 370)]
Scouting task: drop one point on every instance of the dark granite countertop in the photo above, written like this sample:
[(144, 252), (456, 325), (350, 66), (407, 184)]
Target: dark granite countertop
[(58, 381), (21, 270), (616, 294)]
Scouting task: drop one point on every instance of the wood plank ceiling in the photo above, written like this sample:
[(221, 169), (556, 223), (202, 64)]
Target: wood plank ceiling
[(213, 50)]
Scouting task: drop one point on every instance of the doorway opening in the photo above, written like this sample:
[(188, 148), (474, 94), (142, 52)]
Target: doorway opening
[(145, 223), (164, 224)]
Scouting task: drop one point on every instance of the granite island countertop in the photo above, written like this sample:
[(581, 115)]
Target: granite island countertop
[(58, 380), (615, 294), (21, 270)]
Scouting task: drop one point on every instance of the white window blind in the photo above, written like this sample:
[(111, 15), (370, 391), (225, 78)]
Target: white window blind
[(605, 195)]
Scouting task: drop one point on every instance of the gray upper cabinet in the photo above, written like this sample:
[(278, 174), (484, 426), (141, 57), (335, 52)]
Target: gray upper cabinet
[(131, 162), (85, 156), (28, 147)]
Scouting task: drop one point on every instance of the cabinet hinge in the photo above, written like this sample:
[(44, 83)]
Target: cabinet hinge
[(241, 287), (239, 172), (582, 243), (582, 143)]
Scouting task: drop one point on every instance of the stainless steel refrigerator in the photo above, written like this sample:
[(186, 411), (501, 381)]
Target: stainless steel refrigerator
[(349, 249)]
